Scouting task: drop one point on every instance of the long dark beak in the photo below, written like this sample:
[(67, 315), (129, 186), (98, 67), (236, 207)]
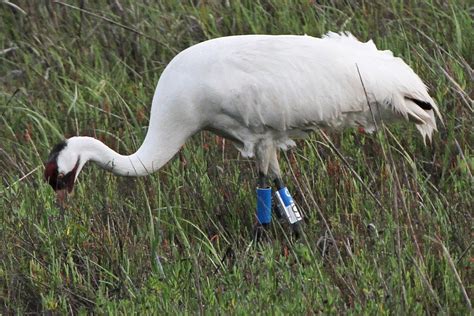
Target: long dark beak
[(61, 196)]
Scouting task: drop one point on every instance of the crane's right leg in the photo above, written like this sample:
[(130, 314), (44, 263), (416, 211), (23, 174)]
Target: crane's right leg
[(283, 199), (287, 207)]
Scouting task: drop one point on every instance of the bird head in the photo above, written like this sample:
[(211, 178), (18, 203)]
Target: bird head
[(62, 167)]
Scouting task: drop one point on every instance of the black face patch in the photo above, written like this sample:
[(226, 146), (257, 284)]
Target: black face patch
[(422, 104), (59, 181), (51, 175), (53, 155)]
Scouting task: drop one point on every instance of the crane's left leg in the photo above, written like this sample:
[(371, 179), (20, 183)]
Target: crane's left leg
[(264, 191), (264, 201), (264, 207)]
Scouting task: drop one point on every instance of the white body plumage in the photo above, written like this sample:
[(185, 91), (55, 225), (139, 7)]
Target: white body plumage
[(261, 91)]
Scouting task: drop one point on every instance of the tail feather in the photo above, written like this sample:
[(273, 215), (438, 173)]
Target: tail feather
[(423, 117), (392, 81)]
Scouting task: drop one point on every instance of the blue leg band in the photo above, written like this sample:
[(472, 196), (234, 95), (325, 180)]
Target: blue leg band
[(264, 205), (287, 206)]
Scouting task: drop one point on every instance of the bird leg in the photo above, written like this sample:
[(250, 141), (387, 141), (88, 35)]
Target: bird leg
[(264, 201), (264, 206), (286, 206), (262, 180)]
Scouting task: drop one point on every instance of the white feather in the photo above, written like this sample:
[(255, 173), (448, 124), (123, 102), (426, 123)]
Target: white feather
[(254, 87), (262, 91)]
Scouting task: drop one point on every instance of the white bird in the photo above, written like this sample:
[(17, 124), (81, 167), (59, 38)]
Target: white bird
[(261, 92)]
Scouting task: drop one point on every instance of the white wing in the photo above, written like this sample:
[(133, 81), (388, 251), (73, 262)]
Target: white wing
[(255, 86)]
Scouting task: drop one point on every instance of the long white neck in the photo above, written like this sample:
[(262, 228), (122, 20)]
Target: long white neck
[(160, 145), (91, 149)]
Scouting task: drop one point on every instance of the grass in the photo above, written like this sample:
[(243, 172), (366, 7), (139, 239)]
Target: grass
[(388, 221)]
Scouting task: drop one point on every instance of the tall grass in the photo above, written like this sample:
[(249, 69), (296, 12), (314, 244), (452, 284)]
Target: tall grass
[(388, 221)]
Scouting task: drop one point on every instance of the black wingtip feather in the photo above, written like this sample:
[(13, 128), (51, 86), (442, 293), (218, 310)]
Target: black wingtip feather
[(422, 104)]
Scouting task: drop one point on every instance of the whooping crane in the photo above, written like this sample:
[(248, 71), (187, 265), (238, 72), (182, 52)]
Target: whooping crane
[(261, 91)]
